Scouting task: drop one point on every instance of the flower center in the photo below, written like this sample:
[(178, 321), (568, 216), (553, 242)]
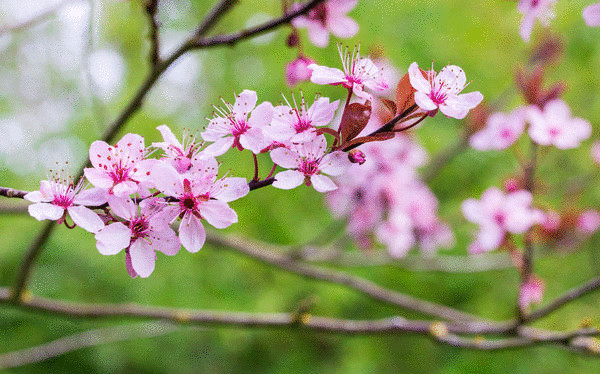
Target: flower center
[(119, 173), (319, 13), (500, 218), (309, 167), (239, 127), (139, 227), (438, 96)]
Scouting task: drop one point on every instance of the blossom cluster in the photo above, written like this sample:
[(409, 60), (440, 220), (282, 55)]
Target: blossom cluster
[(153, 198)]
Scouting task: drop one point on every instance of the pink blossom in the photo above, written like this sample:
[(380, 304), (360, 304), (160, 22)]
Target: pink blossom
[(200, 196), (231, 126), (308, 162), (555, 126), (297, 123), (595, 151), (391, 75), (442, 91), (500, 132), (297, 71), (551, 221), (329, 16), (359, 72), (588, 222), (498, 214), (141, 234), (119, 168), (591, 15), (531, 292), (396, 233), (532, 10), (57, 197), (179, 154)]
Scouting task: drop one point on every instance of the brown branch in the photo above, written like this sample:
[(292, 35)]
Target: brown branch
[(268, 254), (91, 338), (12, 193), (214, 16), (571, 295), (151, 9), (234, 38)]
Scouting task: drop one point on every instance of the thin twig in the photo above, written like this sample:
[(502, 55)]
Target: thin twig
[(268, 254), (151, 9), (216, 13), (571, 295), (39, 18), (91, 338), (12, 193)]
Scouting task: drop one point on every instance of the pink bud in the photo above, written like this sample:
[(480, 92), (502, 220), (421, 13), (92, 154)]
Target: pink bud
[(296, 71), (511, 185), (551, 221), (357, 157), (532, 292)]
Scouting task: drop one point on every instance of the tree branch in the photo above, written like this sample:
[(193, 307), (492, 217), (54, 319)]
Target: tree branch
[(39, 18), (12, 193), (151, 9), (268, 254)]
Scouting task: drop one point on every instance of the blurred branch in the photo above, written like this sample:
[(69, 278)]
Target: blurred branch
[(13, 209), (12, 193), (443, 158), (85, 339), (214, 16), (269, 254), (39, 18), (571, 295), (437, 331), (234, 38), (151, 9), (441, 263)]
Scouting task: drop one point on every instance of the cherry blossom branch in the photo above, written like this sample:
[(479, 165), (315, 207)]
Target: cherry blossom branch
[(268, 254), (571, 295), (12, 193), (43, 16), (151, 9), (86, 339), (136, 102)]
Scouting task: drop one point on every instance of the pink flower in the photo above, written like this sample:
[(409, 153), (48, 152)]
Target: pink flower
[(595, 151), (532, 10), (531, 292), (308, 162), (141, 234), (119, 168), (591, 15), (588, 222), (56, 198), (359, 72), (500, 132), (390, 75), (555, 126), (396, 233), (327, 17), (200, 196), (442, 91), (297, 71), (232, 127), (297, 124), (498, 214), (180, 155)]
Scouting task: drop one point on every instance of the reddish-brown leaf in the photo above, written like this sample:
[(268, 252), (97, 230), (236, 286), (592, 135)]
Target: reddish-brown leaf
[(390, 106), (354, 120), (405, 94)]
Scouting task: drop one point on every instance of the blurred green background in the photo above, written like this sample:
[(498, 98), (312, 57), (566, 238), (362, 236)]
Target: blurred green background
[(480, 36)]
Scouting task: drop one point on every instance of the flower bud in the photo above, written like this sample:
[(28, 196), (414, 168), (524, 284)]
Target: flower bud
[(357, 157), (296, 71)]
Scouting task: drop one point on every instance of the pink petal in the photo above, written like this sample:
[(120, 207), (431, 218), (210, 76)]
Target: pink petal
[(165, 240), (218, 127), (253, 140), (41, 211), (424, 102), (219, 147), (91, 197), (113, 238), (322, 183), (325, 75), (288, 179), (218, 213), (37, 197), (86, 218), (342, 26), (131, 147), (129, 266), (124, 189), (168, 136), (285, 158), (122, 207), (340, 6), (335, 163), (591, 15), (490, 237), (317, 34), (167, 180), (417, 80), (322, 112), (527, 26), (191, 233), (143, 258), (261, 116), (99, 151), (230, 189), (98, 178), (244, 103)]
